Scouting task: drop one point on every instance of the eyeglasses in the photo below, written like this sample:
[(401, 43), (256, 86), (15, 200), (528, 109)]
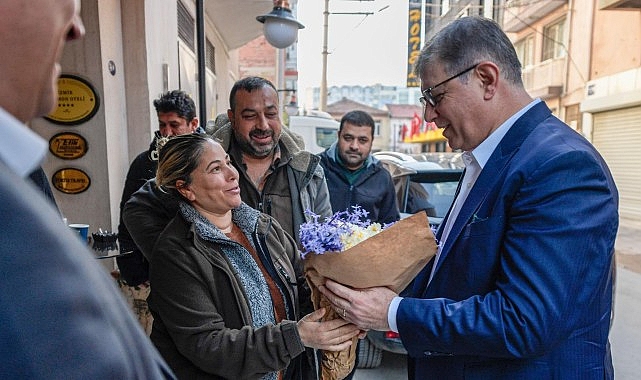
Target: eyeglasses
[(429, 98)]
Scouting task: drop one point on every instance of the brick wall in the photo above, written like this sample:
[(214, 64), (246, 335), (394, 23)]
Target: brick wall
[(258, 58)]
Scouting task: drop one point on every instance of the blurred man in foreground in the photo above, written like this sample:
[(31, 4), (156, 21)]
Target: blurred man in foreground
[(61, 315)]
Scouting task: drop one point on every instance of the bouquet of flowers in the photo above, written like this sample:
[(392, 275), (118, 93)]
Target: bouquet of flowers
[(349, 249)]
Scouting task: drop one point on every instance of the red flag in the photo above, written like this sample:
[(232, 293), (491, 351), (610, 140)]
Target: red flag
[(416, 125), (403, 132)]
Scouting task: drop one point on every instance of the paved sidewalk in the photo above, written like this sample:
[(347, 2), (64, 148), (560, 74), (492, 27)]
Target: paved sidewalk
[(628, 248), (625, 334)]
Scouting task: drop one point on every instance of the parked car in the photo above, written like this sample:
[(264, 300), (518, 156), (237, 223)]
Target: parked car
[(423, 182), (318, 129)]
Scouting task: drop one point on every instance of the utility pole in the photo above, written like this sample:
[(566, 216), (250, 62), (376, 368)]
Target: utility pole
[(323, 86), (326, 13)]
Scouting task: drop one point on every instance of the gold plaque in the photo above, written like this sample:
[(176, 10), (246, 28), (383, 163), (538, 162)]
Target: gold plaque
[(71, 180), (68, 145), (77, 101)]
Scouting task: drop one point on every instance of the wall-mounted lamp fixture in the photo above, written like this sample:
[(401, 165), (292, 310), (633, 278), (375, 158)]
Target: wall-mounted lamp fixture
[(280, 26)]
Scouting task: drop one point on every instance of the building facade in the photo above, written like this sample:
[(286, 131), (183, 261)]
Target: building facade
[(376, 95), (611, 105), (401, 117), (583, 58)]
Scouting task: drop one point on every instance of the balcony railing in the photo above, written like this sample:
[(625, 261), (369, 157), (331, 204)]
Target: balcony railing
[(521, 13), (619, 4), (545, 79)]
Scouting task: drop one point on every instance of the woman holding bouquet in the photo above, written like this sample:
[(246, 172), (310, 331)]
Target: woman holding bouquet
[(224, 279)]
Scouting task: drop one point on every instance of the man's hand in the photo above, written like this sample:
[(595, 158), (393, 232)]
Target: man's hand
[(366, 308)]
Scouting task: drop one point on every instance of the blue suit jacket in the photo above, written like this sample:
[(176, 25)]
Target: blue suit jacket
[(61, 315), (523, 287)]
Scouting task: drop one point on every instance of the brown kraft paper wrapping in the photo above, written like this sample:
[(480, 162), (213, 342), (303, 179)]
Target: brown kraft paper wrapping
[(391, 258)]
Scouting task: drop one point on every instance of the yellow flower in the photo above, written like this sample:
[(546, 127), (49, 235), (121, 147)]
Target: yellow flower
[(357, 234)]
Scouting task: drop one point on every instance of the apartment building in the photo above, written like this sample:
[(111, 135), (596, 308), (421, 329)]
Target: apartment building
[(611, 105), (583, 58)]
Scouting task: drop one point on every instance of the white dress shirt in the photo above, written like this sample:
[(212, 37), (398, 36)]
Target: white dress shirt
[(472, 171), (21, 149)]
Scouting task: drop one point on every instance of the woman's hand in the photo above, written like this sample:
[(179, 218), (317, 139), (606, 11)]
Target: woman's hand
[(333, 335)]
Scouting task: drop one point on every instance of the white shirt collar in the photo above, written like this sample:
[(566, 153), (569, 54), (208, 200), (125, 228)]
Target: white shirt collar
[(485, 149), (21, 149)]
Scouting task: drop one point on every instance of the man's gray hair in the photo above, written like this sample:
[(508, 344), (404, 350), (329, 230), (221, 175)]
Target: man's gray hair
[(467, 41)]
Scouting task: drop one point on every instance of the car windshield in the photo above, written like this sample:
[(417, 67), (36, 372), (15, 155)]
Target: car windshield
[(325, 137), (424, 182), (434, 198)]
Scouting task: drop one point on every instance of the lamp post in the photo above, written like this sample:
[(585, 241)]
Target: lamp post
[(281, 30), (280, 27), (200, 38), (323, 86)]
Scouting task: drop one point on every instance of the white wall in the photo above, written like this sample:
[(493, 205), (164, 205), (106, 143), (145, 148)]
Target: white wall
[(85, 59), (114, 104)]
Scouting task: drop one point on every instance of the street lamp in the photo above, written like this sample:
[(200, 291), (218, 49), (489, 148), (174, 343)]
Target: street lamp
[(280, 26)]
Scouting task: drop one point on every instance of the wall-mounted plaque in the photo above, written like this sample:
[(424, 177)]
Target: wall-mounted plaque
[(71, 180), (77, 101), (68, 145)]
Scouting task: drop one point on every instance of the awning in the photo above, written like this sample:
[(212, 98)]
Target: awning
[(432, 135), (236, 20)]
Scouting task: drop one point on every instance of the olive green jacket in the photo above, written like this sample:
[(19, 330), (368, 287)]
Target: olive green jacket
[(306, 179), (202, 318)]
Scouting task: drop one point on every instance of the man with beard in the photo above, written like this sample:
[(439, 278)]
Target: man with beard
[(277, 176), (354, 176)]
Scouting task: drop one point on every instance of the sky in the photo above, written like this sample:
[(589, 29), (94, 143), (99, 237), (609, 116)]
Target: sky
[(364, 50)]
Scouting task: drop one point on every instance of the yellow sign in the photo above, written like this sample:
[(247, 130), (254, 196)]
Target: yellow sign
[(71, 180), (432, 135), (68, 145), (413, 41), (77, 101)]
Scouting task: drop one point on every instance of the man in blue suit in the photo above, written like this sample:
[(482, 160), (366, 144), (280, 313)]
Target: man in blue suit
[(61, 315), (521, 285)]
